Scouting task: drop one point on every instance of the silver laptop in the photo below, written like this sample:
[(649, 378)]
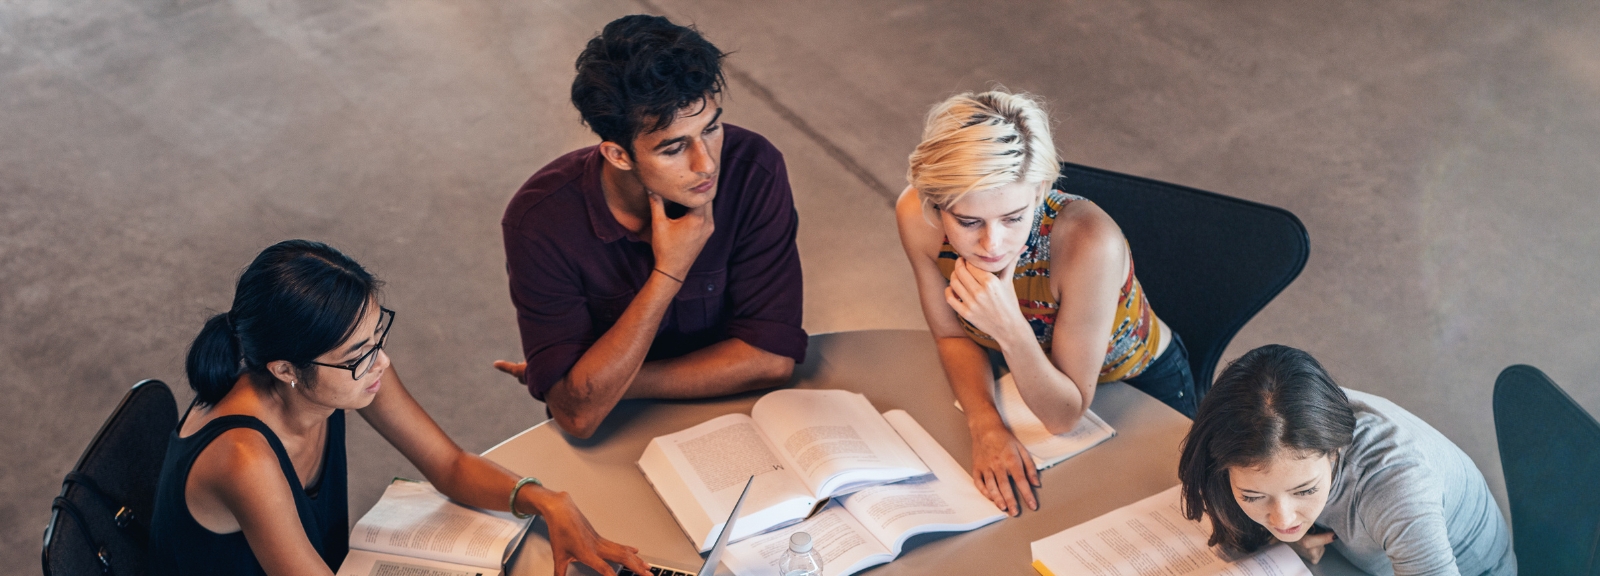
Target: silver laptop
[(712, 559), (543, 564)]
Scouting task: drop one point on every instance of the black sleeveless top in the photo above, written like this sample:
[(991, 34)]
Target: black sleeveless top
[(180, 545)]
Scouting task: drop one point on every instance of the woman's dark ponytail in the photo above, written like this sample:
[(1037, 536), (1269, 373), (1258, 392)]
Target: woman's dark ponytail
[(213, 363), (297, 300)]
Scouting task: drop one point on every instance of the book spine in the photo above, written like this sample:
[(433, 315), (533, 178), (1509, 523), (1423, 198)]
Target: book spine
[(1039, 565)]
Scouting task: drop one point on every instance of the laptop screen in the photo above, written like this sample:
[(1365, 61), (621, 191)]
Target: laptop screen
[(710, 567)]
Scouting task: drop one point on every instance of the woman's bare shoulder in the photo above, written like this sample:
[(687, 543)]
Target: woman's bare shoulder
[(919, 231), (1082, 228), (236, 482), (236, 455)]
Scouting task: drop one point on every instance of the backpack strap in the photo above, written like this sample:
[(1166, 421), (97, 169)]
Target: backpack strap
[(100, 552), (123, 517)]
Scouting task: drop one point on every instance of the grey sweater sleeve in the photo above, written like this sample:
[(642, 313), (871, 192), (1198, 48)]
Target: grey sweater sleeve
[(1403, 508), (1407, 501)]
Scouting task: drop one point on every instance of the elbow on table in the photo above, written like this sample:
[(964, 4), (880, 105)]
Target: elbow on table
[(772, 372), (576, 423), (1062, 422), (571, 413)]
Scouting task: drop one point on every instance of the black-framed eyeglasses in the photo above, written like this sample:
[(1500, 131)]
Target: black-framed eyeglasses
[(360, 366)]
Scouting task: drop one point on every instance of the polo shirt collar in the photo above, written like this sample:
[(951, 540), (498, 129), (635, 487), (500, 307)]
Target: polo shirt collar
[(606, 226)]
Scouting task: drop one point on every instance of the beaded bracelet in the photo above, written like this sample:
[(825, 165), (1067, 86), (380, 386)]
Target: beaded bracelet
[(518, 488)]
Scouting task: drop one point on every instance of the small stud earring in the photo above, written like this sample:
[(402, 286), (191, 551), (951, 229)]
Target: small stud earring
[(291, 383)]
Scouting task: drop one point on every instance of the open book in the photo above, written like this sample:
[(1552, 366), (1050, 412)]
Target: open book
[(803, 447), (414, 530), (1047, 449), (1151, 536), (870, 527)]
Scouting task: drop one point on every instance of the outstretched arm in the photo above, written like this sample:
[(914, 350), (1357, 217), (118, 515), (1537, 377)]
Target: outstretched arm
[(474, 480), (999, 460)]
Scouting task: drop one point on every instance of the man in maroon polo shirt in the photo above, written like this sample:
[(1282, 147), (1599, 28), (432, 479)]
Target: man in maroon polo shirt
[(660, 263)]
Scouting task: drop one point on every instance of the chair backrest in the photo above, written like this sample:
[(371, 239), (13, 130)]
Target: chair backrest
[(1207, 262), (1550, 453), (100, 523)]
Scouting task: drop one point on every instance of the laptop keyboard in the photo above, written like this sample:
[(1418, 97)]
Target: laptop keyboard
[(654, 571)]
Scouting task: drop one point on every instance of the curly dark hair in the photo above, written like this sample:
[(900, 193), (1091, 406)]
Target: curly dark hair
[(639, 72), (1271, 399)]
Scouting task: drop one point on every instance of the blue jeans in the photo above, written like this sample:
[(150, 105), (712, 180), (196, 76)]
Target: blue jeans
[(1169, 379)]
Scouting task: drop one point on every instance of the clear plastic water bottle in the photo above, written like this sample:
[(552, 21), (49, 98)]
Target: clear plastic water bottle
[(801, 559)]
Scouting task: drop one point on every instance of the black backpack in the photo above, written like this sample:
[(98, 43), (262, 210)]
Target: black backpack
[(100, 524)]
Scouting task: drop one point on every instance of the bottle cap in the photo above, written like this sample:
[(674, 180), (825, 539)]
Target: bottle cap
[(800, 543)]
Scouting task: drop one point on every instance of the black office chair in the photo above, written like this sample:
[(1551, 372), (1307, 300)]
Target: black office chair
[(1550, 453), (100, 524), (1207, 262)]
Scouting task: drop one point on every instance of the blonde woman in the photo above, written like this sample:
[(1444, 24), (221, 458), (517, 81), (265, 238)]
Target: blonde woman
[(1015, 273)]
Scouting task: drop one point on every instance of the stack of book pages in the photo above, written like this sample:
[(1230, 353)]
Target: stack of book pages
[(1151, 536), (824, 461), (414, 530)]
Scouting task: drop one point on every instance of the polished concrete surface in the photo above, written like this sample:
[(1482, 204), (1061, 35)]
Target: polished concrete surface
[(1442, 155)]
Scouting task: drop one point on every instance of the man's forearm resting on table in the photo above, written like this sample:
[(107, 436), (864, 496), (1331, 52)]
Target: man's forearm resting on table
[(602, 375), (614, 367), (727, 367)]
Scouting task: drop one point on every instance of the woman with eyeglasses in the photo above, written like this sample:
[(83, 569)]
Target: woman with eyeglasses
[(254, 477)]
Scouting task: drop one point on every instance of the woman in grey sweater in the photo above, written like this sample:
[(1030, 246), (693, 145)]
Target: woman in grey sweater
[(1278, 452)]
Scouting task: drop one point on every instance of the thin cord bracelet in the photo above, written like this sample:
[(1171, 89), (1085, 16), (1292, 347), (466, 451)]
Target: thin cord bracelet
[(518, 488), (664, 273)]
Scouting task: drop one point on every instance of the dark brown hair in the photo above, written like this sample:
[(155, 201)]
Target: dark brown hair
[(1269, 400), (639, 72)]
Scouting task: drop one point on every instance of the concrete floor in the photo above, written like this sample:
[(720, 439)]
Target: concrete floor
[(1441, 153)]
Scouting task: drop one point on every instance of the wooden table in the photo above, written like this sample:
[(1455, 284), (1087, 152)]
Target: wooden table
[(894, 369)]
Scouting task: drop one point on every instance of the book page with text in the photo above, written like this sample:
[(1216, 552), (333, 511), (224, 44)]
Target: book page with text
[(835, 440), (845, 545), (1047, 449), (1152, 537), (713, 460), (413, 519), (364, 563), (943, 501)]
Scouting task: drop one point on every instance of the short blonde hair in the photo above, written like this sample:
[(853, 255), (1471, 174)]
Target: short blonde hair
[(974, 142)]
